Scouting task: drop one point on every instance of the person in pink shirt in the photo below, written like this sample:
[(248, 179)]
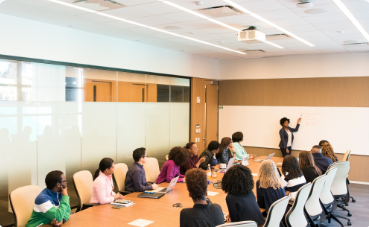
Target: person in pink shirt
[(177, 157), (103, 186)]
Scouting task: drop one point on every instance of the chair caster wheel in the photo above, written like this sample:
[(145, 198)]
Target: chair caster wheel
[(353, 200), (349, 223), (349, 214), (346, 204)]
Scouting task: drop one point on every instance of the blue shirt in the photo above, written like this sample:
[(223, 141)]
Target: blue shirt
[(223, 158), (136, 179), (322, 162)]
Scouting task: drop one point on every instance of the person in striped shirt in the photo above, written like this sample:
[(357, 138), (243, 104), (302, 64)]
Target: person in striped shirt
[(292, 175), (52, 204)]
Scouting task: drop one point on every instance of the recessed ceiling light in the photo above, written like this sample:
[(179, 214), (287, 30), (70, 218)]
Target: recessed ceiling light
[(351, 17), (142, 25), (173, 27), (315, 11), (305, 5), (266, 21), (208, 18)]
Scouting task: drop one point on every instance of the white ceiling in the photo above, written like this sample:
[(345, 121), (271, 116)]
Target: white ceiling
[(318, 29)]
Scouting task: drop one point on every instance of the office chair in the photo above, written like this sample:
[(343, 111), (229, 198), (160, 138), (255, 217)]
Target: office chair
[(152, 170), (83, 184), (313, 208), (295, 217), (276, 212), (119, 177), (327, 200), (22, 201), (339, 187), (346, 158), (240, 224)]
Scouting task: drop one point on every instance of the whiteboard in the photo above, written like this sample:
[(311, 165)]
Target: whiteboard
[(346, 128)]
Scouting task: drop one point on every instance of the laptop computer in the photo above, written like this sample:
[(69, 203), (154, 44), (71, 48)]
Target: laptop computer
[(262, 160), (159, 192)]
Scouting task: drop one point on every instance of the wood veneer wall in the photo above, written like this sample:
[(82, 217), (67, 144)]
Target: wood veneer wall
[(328, 92)]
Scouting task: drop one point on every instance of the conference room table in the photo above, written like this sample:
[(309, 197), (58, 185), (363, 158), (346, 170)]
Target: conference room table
[(160, 211)]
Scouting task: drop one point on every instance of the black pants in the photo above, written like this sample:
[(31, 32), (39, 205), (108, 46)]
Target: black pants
[(284, 152)]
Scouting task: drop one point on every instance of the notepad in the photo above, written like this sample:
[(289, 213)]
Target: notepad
[(212, 193), (140, 222)]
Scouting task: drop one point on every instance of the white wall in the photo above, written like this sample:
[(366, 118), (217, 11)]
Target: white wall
[(302, 66), (32, 39)]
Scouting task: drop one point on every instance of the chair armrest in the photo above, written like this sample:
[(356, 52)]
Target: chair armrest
[(88, 205)]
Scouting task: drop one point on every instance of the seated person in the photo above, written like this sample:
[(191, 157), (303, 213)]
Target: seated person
[(226, 151), (203, 213), (103, 186), (320, 160), (269, 187), (193, 160), (136, 177), (237, 138), (241, 200), (292, 175), (52, 204), (308, 167), (177, 157), (327, 150), (209, 155)]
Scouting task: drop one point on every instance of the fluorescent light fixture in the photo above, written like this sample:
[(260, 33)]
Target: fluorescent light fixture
[(210, 19), (142, 25), (266, 21), (351, 17)]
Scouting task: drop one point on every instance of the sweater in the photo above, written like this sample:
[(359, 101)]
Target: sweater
[(49, 205), (169, 171), (267, 196)]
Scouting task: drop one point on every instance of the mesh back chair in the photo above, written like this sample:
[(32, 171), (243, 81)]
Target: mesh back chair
[(276, 212), (152, 170), (295, 216), (327, 200), (346, 158), (119, 176), (313, 208), (339, 187), (240, 224), (22, 201), (83, 184)]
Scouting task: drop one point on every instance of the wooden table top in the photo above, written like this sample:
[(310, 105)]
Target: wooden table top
[(161, 211)]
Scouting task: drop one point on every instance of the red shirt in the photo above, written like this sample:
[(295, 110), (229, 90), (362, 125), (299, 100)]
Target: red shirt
[(190, 164)]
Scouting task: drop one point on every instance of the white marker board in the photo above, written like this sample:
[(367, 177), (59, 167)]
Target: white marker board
[(346, 128)]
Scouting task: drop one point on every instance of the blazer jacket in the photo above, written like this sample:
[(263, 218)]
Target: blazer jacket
[(284, 136)]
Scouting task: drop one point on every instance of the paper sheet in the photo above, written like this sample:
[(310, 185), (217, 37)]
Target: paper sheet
[(245, 161), (254, 174), (140, 222), (212, 193)]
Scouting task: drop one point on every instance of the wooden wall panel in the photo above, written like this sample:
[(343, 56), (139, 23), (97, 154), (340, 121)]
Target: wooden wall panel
[(152, 92), (359, 167), (211, 112), (197, 110), (333, 92)]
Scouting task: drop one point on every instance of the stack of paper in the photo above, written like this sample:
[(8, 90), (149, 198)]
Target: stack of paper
[(122, 202)]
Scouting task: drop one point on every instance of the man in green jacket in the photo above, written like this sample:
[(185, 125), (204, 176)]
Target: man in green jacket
[(52, 204)]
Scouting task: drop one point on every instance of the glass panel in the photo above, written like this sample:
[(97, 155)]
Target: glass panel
[(163, 93), (131, 87)]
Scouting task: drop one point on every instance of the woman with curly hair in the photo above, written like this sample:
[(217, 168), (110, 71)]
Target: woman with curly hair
[(286, 135), (327, 150), (204, 212), (171, 169), (269, 187), (241, 200), (193, 160)]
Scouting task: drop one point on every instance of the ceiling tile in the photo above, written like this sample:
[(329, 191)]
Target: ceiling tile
[(135, 2), (38, 3), (153, 20), (279, 14), (320, 19), (180, 16), (158, 8), (263, 6)]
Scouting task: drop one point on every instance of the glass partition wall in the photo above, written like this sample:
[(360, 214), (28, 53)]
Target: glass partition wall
[(55, 117)]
